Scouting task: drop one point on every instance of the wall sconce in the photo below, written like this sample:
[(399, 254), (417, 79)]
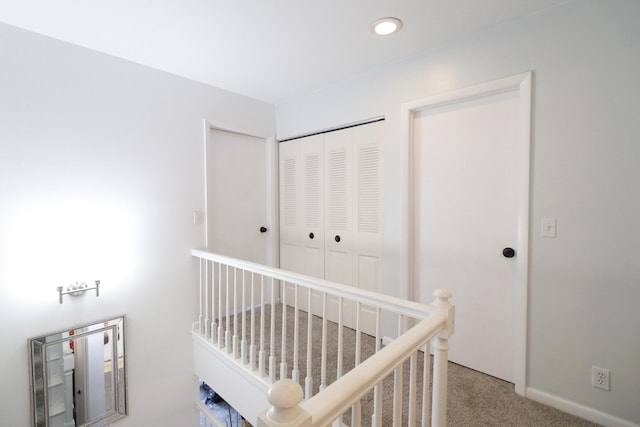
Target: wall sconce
[(77, 289)]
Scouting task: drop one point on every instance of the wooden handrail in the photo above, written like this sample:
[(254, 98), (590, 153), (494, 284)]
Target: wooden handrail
[(386, 302)]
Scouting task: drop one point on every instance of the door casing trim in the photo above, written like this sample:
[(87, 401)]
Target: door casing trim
[(522, 83)]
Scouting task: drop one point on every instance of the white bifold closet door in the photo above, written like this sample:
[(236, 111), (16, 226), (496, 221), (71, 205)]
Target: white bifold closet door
[(330, 213)]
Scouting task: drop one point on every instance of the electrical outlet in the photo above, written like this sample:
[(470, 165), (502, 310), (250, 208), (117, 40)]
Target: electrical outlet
[(600, 378)]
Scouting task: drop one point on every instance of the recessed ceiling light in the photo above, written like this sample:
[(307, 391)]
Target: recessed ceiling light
[(386, 26)]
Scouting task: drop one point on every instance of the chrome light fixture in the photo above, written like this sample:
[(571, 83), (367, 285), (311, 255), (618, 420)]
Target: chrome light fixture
[(77, 289), (386, 26)]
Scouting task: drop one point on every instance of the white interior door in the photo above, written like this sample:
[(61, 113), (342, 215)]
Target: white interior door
[(236, 195), (466, 213)]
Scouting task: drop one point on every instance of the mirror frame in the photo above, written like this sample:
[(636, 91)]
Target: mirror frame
[(38, 374)]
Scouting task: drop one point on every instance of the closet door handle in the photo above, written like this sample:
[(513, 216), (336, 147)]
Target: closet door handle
[(508, 253), (311, 235), (337, 238), (263, 229)]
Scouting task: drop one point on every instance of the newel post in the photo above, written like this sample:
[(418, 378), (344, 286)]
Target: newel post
[(440, 357), (285, 396)]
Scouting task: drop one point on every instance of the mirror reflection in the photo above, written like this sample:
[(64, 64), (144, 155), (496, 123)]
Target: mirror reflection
[(78, 376)]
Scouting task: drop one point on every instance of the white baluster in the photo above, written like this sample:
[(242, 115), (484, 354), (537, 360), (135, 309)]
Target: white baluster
[(376, 418), (206, 299), (340, 337), (263, 309), (252, 328), (397, 382), (200, 319), (323, 363), (227, 332), (338, 421), (272, 354), (212, 279), (413, 378), (283, 353), (295, 373), (235, 314), (243, 336), (308, 382), (356, 409), (426, 378), (220, 300)]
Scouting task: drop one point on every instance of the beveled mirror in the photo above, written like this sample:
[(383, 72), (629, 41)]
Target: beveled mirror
[(79, 376)]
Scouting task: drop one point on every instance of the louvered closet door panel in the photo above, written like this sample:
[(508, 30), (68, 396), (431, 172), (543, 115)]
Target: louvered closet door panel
[(338, 267), (367, 241), (338, 152), (290, 191), (312, 206)]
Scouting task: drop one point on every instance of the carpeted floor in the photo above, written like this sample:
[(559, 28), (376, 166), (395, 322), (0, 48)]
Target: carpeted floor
[(474, 399)]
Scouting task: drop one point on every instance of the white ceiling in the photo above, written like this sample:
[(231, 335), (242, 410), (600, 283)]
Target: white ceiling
[(271, 50)]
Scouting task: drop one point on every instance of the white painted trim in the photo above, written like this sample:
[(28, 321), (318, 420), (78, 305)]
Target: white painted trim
[(523, 84), (206, 135), (233, 129), (273, 207), (578, 410), (271, 180)]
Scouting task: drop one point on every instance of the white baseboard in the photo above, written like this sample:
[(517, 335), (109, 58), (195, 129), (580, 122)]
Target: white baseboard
[(578, 410)]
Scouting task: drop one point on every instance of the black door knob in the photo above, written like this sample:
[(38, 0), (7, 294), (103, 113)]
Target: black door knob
[(263, 229), (311, 235), (508, 253), (337, 238)]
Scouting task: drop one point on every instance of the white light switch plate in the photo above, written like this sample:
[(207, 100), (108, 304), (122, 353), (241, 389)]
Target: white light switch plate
[(549, 227)]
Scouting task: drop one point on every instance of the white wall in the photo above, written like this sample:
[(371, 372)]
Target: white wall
[(584, 285), (101, 166)]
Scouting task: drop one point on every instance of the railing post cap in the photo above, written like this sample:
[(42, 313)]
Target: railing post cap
[(285, 394), (442, 293)]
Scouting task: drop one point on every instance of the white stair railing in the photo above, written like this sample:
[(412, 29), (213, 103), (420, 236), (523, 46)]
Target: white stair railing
[(258, 316)]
